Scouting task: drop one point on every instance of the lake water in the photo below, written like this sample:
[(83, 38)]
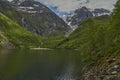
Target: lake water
[(40, 64)]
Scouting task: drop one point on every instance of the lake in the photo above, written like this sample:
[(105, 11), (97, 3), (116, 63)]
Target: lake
[(41, 64)]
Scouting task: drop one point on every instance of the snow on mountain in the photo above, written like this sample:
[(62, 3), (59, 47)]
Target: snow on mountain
[(79, 15), (39, 19)]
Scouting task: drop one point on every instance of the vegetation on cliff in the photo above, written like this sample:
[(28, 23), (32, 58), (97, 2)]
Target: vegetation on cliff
[(99, 37), (16, 34), (89, 36), (96, 35)]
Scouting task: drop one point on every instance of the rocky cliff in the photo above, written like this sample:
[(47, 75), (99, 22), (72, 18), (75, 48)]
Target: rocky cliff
[(106, 68), (79, 15), (40, 20)]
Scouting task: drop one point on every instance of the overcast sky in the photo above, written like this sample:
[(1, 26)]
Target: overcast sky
[(69, 5)]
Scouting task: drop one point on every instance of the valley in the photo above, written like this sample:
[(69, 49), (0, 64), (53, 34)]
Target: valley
[(38, 44)]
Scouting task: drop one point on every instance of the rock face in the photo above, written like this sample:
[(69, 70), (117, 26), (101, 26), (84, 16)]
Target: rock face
[(78, 16), (39, 19), (100, 11), (75, 18), (106, 68), (17, 2)]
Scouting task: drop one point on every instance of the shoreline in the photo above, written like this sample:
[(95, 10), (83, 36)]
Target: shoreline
[(40, 48)]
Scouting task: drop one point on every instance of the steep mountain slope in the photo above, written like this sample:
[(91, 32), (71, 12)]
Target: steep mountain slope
[(77, 17), (88, 34), (100, 38), (40, 20), (100, 11), (21, 18), (10, 11), (17, 2), (13, 35)]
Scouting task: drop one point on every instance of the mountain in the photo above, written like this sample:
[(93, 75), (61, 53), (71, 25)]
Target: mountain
[(98, 37), (10, 11), (79, 15), (75, 18), (40, 20), (100, 11), (18, 2), (85, 35), (19, 27), (12, 35)]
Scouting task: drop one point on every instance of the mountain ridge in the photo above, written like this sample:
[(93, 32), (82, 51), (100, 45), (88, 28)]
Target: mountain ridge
[(80, 14), (39, 19)]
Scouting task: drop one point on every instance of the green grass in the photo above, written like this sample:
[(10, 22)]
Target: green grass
[(52, 41), (9, 10), (89, 34), (89, 38), (17, 35), (97, 37)]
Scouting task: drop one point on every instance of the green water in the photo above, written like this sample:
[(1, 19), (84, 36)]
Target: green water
[(40, 64)]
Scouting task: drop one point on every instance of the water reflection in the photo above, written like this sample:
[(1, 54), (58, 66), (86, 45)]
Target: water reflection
[(39, 65)]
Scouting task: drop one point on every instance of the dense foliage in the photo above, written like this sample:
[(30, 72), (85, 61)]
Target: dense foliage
[(88, 37), (96, 35), (113, 32)]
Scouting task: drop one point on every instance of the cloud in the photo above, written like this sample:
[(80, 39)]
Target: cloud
[(108, 4), (70, 5)]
